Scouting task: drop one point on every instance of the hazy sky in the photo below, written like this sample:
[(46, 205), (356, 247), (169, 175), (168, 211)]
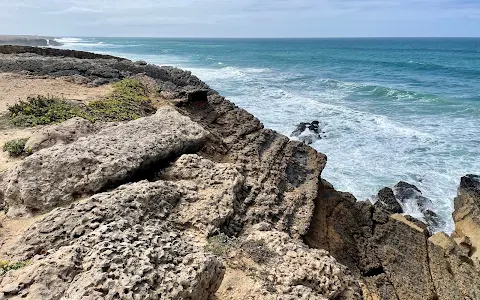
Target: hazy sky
[(241, 18)]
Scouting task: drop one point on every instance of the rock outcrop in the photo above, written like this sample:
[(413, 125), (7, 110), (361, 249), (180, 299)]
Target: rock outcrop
[(116, 245), (391, 255), (308, 132), (467, 216), (56, 177), (130, 210)]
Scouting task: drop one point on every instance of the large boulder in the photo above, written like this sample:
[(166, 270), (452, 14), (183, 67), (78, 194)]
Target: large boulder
[(63, 173), (467, 215), (123, 244)]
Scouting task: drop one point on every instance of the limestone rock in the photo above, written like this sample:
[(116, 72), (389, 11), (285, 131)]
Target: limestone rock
[(281, 176), (218, 189), (453, 272), (467, 214), (290, 270), (60, 134), (391, 255), (115, 155), (114, 245)]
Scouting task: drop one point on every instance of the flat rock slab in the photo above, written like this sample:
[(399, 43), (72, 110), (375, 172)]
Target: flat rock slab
[(58, 175)]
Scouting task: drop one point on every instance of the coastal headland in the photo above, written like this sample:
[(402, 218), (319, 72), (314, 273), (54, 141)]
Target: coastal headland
[(127, 180)]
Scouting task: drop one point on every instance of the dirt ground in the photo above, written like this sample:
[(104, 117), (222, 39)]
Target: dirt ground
[(17, 87)]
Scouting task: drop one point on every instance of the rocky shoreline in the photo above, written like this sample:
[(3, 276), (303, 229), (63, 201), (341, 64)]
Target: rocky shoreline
[(200, 201), (28, 40)]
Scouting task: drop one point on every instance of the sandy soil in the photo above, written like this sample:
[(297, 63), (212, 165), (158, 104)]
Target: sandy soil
[(11, 230), (16, 87)]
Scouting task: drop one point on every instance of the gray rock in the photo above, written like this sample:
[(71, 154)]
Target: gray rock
[(60, 134), (290, 270), (60, 174), (116, 245)]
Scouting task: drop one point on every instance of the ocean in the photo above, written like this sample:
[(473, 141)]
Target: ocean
[(392, 109)]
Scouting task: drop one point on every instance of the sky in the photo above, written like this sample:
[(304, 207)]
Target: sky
[(241, 18)]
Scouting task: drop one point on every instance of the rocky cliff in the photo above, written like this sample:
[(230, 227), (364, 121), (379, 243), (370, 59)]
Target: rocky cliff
[(199, 201), (28, 40)]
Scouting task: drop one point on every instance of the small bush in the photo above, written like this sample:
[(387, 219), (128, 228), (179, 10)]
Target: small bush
[(43, 110), (219, 244), (5, 266), (128, 101), (16, 148)]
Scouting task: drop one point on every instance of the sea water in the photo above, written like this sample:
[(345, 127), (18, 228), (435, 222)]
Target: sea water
[(392, 109)]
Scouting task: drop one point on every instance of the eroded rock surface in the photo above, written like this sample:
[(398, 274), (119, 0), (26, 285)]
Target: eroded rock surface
[(391, 255), (467, 215), (116, 245), (281, 176), (63, 133), (114, 155)]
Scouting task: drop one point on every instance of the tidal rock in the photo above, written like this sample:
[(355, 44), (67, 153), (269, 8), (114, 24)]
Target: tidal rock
[(467, 214), (386, 199), (60, 134), (116, 245), (308, 132), (408, 192), (60, 174)]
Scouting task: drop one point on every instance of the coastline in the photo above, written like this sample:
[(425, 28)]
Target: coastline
[(257, 186)]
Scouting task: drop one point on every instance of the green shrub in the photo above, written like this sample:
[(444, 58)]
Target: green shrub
[(43, 110), (6, 266), (16, 148), (128, 101)]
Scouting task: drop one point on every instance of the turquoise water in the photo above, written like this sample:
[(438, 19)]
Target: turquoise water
[(392, 109)]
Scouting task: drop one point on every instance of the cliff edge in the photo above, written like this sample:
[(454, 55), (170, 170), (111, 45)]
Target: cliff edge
[(198, 200)]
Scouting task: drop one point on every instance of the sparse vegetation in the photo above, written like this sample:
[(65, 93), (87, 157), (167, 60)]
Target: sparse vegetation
[(16, 148), (257, 251), (128, 101), (220, 244), (43, 110), (6, 266)]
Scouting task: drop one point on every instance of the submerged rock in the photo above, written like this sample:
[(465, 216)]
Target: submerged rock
[(386, 199), (308, 132)]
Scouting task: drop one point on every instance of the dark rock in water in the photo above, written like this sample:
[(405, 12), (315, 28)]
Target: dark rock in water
[(405, 191), (471, 184), (308, 132), (386, 200), (432, 219)]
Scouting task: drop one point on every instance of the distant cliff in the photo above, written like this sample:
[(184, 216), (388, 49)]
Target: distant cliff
[(28, 40)]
